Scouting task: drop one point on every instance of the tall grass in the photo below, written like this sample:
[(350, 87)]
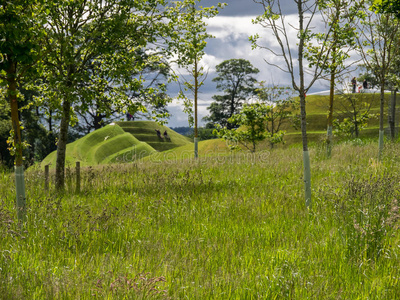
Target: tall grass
[(232, 227)]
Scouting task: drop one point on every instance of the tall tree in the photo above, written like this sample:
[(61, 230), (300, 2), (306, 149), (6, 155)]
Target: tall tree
[(92, 42), (188, 44), (235, 79), (300, 37), (378, 40), (340, 16), (20, 50)]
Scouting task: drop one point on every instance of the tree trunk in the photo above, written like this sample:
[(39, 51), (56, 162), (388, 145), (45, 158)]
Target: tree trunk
[(306, 155), (97, 121), (62, 145), (381, 128), (196, 87), (330, 116), (19, 168), (392, 116)]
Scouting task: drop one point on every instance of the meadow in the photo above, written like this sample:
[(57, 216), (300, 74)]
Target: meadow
[(222, 227)]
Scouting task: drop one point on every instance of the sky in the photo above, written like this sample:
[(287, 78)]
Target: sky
[(232, 28)]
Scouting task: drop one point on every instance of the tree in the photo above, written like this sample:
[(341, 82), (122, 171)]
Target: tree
[(378, 40), (301, 36), (340, 16), (387, 6), (235, 79), (90, 43), (5, 128), (154, 75), (353, 114), (20, 50), (280, 106), (187, 43), (253, 122)]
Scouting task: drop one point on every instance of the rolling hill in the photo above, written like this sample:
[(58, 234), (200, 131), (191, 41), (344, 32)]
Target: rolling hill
[(118, 143)]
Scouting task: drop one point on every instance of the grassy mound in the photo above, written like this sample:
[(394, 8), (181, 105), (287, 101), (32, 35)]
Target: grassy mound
[(144, 131), (105, 145), (317, 116)]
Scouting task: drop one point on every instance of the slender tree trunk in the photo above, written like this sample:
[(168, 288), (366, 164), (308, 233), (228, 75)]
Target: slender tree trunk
[(50, 120), (392, 115), (330, 116), (306, 155), (381, 128), (196, 87), (62, 145), (19, 168), (356, 130)]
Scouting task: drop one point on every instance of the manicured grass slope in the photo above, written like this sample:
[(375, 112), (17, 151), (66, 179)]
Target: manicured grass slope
[(207, 148), (144, 131), (107, 144), (215, 228), (317, 111)]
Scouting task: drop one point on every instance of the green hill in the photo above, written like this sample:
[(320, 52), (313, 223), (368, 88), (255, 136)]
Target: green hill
[(317, 113), (118, 143), (144, 131)]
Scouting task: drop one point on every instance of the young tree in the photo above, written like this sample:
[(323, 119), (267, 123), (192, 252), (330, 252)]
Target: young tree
[(20, 50), (293, 45), (235, 79), (253, 122), (188, 43), (91, 43), (378, 40), (353, 114), (280, 106), (339, 15)]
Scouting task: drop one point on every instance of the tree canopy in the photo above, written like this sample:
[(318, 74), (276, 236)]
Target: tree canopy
[(235, 78)]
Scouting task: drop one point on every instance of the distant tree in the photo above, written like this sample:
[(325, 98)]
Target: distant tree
[(253, 122), (235, 79), (280, 107)]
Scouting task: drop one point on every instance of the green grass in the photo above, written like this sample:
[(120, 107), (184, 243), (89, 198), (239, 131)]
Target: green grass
[(222, 227)]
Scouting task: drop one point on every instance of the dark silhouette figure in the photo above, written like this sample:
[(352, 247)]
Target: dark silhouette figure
[(159, 134), (365, 84), (354, 83), (166, 136), (129, 117)]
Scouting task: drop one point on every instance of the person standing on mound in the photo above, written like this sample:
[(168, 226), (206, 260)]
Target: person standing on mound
[(354, 83)]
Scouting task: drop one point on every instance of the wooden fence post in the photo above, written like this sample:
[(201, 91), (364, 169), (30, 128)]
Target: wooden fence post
[(78, 177), (46, 177)]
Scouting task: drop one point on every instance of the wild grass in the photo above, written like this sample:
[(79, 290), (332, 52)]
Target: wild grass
[(224, 227)]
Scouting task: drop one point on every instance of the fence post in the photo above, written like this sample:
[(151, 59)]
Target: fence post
[(78, 177), (46, 177)]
